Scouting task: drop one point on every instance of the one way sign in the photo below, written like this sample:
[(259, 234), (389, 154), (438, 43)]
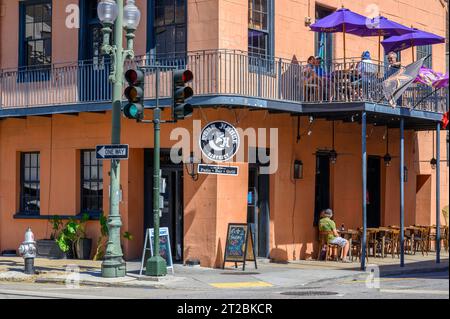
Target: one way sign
[(113, 151)]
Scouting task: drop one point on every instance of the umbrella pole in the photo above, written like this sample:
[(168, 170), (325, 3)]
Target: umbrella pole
[(379, 52), (412, 52), (343, 29)]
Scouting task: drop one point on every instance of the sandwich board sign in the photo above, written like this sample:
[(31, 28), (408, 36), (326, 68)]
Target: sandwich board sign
[(164, 247), (239, 246)]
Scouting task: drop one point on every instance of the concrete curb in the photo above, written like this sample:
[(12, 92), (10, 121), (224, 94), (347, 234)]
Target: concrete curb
[(384, 273), (100, 284)]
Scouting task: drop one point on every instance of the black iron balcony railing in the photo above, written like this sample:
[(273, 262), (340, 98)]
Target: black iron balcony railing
[(217, 72)]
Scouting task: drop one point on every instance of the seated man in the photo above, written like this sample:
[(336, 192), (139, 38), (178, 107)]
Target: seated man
[(326, 224)]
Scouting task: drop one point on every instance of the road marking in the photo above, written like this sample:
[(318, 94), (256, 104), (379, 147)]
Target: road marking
[(415, 291), (381, 279), (246, 284)]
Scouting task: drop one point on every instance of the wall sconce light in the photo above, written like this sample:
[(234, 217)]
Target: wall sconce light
[(405, 174), (387, 159), (191, 167), (298, 169), (308, 21), (333, 156), (433, 163)]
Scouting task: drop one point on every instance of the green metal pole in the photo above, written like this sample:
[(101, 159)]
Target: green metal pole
[(156, 265), (113, 264)]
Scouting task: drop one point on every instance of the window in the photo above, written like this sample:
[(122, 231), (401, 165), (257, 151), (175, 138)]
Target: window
[(424, 51), (169, 28), (91, 182), (260, 17), (35, 33), (30, 183)]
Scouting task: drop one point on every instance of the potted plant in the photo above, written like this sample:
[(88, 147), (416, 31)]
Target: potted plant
[(72, 239), (48, 248), (83, 244), (103, 239), (66, 238)]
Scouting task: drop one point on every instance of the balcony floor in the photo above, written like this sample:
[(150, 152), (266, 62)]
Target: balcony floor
[(378, 114)]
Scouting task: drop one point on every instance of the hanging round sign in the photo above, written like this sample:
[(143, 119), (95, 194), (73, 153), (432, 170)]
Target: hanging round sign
[(219, 141)]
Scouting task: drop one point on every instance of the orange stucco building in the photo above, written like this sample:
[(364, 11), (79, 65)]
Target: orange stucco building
[(60, 110)]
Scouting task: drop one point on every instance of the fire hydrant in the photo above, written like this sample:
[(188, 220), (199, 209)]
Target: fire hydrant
[(28, 251)]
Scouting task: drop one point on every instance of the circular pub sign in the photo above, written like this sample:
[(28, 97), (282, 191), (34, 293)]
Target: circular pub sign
[(219, 141)]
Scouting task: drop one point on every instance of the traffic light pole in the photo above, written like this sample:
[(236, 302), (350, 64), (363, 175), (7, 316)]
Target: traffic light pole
[(156, 265)]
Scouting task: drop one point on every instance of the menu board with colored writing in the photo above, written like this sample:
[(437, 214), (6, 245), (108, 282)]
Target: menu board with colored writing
[(239, 244)]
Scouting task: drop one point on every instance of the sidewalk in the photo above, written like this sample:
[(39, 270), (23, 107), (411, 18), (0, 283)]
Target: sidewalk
[(292, 274)]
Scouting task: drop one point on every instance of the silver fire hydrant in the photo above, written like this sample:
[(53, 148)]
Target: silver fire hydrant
[(28, 251)]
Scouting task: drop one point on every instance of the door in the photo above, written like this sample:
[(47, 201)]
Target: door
[(322, 193), (172, 211), (323, 40), (373, 198), (258, 210), (94, 68)]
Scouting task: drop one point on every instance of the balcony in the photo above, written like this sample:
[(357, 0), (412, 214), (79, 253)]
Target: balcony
[(221, 77)]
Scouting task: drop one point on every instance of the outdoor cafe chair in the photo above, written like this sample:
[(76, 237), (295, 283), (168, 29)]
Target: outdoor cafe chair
[(409, 240), (356, 246), (323, 244), (393, 242), (421, 239)]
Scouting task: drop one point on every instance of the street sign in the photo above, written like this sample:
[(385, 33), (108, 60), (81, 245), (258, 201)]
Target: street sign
[(218, 169), (114, 151)]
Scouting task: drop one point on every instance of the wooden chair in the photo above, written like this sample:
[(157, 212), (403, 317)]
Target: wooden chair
[(409, 241), (393, 242), (323, 242), (372, 242), (421, 239), (356, 246)]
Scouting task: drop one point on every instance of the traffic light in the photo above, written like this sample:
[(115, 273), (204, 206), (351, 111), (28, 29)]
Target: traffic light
[(181, 92), (134, 94)]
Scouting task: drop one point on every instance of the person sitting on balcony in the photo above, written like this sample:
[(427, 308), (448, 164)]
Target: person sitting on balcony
[(392, 68), (328, 225), (367, 71), (394, 65), (366, 65), (318, 66)]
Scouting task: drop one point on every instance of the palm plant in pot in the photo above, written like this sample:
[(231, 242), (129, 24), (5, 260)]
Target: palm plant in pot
[(72, 239)]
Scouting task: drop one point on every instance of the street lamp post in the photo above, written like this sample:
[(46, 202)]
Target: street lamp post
[(112, 13)]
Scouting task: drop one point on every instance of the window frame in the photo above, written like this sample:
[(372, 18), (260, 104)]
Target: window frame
[(39, 72), (423, 51), (256, 61), (22, 183), (168, 57), (98, 181)]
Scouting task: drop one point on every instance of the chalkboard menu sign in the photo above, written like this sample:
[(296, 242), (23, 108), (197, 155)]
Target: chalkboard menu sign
[(164, 245), (239, 245)]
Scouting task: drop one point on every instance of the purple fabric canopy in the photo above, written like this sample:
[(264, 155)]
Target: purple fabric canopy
[(380, 26), (405, 41), (342, 20)]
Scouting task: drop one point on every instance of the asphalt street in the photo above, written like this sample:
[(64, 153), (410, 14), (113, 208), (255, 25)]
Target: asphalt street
[(417, 286)]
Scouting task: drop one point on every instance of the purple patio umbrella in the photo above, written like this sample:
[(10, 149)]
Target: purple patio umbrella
[(381, 26), (342, 20), (409, 40)]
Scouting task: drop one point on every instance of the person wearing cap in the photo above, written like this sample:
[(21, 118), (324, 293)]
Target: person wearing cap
[(366, 66), (318, 66), (367, 71), (328, 225)]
